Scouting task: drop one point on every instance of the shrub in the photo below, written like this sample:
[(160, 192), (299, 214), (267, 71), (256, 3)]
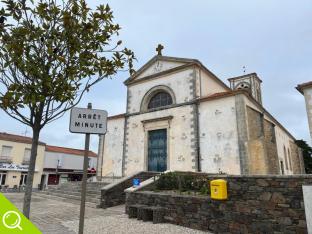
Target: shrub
[(182, 181)]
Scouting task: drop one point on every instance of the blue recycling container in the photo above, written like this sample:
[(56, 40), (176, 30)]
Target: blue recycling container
[(136, 182)]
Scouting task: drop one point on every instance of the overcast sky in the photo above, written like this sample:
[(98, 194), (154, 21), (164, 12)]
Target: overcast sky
[(271, 38)]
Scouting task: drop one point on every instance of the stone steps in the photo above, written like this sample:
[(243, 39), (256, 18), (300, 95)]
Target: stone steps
[(58, 198), (95, 192), (75, 193), (89, 198), (72, 191), (77, 186)]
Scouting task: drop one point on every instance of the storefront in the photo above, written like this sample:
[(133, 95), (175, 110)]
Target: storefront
[(63, 165), (14, 175), (63, 176)]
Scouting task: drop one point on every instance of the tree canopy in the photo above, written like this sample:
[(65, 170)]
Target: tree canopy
[(307, 155), (52, 52)]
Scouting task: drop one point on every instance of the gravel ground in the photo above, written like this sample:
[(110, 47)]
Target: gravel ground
[(54, 216), (122, 225)]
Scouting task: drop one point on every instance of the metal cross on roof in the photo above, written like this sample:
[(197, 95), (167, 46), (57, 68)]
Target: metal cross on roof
[(159, 48)]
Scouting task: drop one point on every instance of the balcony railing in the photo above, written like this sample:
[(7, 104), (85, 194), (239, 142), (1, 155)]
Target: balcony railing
[(26, 161), (5, 159)]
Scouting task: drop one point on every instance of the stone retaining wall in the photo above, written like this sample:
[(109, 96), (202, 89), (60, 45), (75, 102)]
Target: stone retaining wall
[(113, 194), (256, 204)]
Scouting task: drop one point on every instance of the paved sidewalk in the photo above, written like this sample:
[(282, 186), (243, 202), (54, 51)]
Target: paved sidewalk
[(54, 216)]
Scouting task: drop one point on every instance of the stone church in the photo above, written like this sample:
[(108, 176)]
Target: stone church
[(182, 117)]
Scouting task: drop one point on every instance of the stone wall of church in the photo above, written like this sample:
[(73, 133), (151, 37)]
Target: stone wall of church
[(180, 138), (284, 150), (179, 82), (113, 148), (256, 148), (218, 136), (297, 159), (262, 149), (283, 140), (271, 148)]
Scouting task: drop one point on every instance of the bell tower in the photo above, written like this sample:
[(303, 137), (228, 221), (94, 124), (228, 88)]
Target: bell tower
[(249, 82)]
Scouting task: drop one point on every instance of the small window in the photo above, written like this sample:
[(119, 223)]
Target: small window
[(282, 167), (289, 158), (6, 151), (273, 138), (285, 156), (160, 99), (261, 122), (26, 156)]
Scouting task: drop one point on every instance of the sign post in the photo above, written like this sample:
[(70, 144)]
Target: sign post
[(86, 121)]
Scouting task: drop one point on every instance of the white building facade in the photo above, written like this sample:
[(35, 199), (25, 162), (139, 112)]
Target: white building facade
[(66, 164), (306, 90), (182, 117)]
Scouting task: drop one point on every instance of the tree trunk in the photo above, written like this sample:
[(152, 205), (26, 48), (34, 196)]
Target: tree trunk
[(31, 171)]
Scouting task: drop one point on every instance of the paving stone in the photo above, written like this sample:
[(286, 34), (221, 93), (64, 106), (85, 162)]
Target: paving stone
[(54, 216)]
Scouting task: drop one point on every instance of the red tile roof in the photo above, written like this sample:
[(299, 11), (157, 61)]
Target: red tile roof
[(300, 87), (221, 94), (16, 138), (65, 150)]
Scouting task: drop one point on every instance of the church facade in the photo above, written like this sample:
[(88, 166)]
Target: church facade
[(182, 117)]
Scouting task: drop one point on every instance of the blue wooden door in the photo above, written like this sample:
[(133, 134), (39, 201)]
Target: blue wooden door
[(157, 150)]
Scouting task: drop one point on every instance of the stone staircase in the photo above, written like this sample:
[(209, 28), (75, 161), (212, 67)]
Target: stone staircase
[(114, 194), (72, 191)]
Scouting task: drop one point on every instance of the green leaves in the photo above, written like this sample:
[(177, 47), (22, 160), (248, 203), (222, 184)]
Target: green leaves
[(52, 54)]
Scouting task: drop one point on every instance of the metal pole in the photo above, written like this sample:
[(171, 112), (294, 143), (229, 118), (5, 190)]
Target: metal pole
[(84, 180), (56, 172)]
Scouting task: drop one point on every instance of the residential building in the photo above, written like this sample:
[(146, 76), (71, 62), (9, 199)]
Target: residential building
[(14, 160)]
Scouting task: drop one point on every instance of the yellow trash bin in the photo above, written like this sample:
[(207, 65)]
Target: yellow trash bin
[(218, 189)]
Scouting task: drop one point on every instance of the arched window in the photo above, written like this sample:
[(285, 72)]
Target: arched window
[(160, 99), (243, 85), (158, 96)]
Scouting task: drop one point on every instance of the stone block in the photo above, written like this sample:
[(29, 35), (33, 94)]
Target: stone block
[(284, 221), (266, 196), (278, 198), (262, 182), (147, 215)]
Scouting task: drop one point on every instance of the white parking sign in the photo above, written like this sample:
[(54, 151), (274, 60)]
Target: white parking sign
[(83, 120)]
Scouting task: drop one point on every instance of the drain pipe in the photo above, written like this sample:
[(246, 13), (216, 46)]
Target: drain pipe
[(198, 137)]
